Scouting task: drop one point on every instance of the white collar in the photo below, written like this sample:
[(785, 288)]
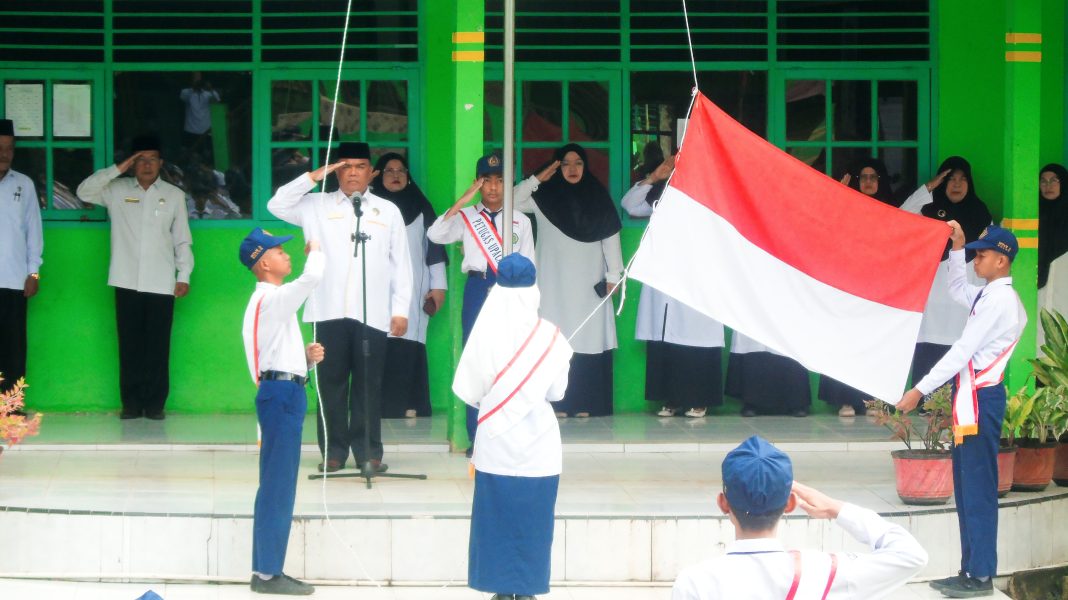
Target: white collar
[(755, 545)]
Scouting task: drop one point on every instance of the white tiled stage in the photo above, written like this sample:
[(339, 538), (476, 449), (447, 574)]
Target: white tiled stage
[(635, 505)]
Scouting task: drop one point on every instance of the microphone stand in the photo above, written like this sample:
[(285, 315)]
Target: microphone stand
[(367, 470)]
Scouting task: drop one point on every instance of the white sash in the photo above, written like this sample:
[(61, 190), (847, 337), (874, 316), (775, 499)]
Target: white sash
[(508, 401), (485, 234), (966, 400)]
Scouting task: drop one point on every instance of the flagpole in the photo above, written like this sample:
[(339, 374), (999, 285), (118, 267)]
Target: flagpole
[(509, 121)]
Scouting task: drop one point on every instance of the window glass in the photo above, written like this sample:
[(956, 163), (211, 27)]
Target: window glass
[(204, 124)]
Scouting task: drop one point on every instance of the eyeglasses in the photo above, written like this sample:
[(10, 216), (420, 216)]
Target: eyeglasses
[(868, 177), (1050, 181), (401, 171)]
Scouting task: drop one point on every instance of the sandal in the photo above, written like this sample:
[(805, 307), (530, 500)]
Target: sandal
[(666, 411)]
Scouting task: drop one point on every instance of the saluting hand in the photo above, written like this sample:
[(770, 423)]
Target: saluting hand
[(817, 504), (315, 353), (662, 171), (321, 173), (548, 171), (466, 197), (846, 179), (130, 160), (937, 181)]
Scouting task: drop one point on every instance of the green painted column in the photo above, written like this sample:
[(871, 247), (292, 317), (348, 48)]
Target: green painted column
[(1022, 136), (454, 59)]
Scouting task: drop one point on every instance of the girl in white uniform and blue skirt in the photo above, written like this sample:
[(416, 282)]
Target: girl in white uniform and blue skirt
[(513, 366)]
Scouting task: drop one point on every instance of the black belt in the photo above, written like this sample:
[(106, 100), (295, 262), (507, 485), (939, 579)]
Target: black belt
[(481, 274), (300, 380)]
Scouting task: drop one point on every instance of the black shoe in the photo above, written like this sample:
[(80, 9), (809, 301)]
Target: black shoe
[(469, 452), (130, 414), (377, 466), (156, 416), (938, 584), (332, 465), (801, 412), (748, 412), (280, 584), (968, 587)]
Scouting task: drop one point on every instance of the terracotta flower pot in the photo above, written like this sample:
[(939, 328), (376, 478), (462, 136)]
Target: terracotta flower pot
[(1006, 464), (1034, 466), (924, 477), (1060, 465)]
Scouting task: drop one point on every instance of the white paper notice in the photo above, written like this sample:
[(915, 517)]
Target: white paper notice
[(24, 105), (71, 110)]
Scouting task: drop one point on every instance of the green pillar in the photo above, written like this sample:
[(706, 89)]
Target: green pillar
[(1023, 102), (453, 73)]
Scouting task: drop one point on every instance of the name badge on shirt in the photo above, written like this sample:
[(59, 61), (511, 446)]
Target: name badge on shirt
[(132, 200), (335, 215)]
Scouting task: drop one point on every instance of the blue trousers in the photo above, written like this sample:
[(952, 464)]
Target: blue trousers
[(975, 487), (475, 291), (280, 408)]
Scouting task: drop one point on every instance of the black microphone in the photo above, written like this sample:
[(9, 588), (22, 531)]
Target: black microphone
[(357, 203)]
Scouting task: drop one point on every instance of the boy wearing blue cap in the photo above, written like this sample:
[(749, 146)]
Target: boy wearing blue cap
[(758, 487), (978, 360), (278, 362), (480, 227)]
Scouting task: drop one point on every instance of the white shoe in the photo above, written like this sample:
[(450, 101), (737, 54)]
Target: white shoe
[(696, 413), (847, 411), (410, 413), (666, 411)]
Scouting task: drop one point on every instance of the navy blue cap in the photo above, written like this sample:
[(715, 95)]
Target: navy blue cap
[(515, 271), (998, 239), (147, 142), (354, 150), (7, 127), (757, 477), (491, 164), (256, 244)]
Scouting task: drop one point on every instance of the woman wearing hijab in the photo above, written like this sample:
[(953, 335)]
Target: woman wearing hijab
[(766, 382), (869, 177), (405, 384), (684, 348), (1052, 241), (513, 366), (950, 196), (579, 262)]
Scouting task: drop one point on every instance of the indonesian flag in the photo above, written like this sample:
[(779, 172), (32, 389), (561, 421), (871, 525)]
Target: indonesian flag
[(765, 244)]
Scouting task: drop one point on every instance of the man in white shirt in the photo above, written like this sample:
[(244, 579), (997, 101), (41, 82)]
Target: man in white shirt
[(480, 227), (151, 261), (278, 362), (21, 245), (978, 360), (758, 487), (196, 130), (337, 305)]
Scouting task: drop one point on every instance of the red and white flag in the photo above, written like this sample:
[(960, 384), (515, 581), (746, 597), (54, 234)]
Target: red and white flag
[(765, 244)]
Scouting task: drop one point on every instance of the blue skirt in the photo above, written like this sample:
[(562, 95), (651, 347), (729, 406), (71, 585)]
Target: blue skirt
[(512, 534)]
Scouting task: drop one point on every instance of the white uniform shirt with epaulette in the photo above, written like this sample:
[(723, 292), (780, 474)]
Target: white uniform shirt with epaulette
[(273, 341), (994, 324), (762, 569), (151, 246), (329, 219)]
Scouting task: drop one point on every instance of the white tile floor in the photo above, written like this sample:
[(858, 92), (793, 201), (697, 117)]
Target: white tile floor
[(55, 590)]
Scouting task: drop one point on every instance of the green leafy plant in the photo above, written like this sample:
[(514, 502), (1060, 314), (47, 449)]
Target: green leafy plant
[(1048, 417), (1018, 408), (937, 419)]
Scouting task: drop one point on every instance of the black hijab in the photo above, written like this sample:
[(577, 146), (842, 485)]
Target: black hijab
[(971, 212), (583, 211), (411, 203), (883, 193), (1052, 224)]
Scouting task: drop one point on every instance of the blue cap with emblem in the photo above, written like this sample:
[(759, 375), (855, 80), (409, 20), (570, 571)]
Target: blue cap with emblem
[(256, 243), (757, 477), (491, 164), (997, 239), (516, 270)]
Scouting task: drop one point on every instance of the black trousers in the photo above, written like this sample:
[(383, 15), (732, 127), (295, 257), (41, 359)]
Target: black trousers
[(144, 324), (341, 389), (12, 337)]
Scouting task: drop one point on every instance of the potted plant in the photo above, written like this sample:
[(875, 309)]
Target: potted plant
[(1049, 413), (924, 476), (14, 426), (1017, 410)]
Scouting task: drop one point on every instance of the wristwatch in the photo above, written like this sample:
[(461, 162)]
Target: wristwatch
[(35, 276)]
